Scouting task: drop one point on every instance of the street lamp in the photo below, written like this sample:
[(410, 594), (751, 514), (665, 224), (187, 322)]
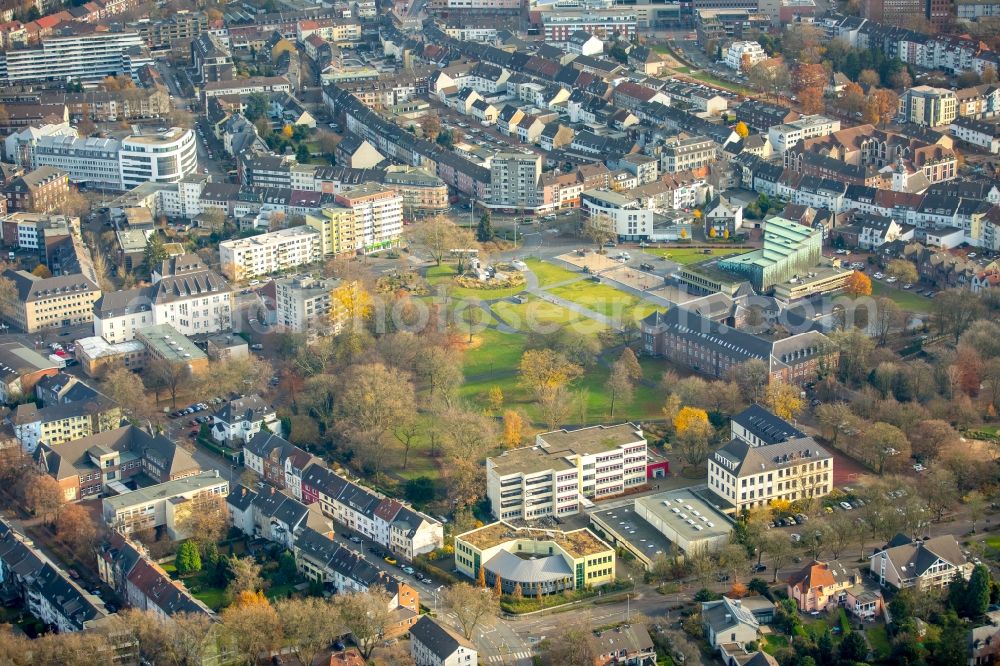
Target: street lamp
[(628, 601)]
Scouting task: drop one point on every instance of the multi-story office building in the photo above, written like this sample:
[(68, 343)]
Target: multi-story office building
[(41, 303), (514, 180), (282, 250), (929, 106), (559, 24), (185, 293), (378, 215), (155, 506), (148, 156), (565, 470), (747, 477), (89, 160), (76, 53), (157, 157), (623, 213), (693, 152), (307, 304)]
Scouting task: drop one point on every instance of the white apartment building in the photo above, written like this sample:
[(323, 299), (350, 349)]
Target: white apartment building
[(786, 135), (629, 219), (148, 156), (274, 252), (565, 471), (71, 57), (741, 56), (746, 476), (689, 153), (185, 294), (304, 304)]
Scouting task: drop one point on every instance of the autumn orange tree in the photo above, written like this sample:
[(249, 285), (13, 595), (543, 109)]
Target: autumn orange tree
[(689, 417), (784, 400), (742, 130), (858, 284)]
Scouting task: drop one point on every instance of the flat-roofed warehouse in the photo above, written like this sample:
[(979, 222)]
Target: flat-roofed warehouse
[(678, 522)]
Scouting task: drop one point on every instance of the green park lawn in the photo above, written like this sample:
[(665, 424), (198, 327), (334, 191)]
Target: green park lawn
[(906, 299), (646, 403), (542, 316), (692, 255), (495, 351), (549, 274), (604, 299)]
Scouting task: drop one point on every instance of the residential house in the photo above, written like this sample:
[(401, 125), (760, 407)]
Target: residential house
[(623, 645), (723, 217), (126, 568), (46, 591), (238, 420), (727, 621), (821, 585), (923, 565), (432, 644), (388, 522), (271, 514), (279, 462)]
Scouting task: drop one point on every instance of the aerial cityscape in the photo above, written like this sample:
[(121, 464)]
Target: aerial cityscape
[(500, 333)]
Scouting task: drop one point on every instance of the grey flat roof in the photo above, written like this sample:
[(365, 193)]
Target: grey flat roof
[(628, 526), (677, 507)]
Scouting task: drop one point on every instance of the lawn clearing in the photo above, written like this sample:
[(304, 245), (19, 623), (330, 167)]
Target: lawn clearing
[(878, 639), (548, 274), (773, 643), (541, 316), (494, 351), (593, 403), (692, 255), (604, 299), (905, 299)]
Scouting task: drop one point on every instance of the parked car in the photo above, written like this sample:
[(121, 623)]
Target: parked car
[(795, 537), (355, 538), (846, 506), (390, 560), (408, 570)]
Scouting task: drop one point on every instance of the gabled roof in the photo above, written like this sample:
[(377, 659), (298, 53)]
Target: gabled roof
[(441, 641), (248, 408), (912, 558)]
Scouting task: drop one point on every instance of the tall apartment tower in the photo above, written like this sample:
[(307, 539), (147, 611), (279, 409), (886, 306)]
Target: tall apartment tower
[(514, 180)]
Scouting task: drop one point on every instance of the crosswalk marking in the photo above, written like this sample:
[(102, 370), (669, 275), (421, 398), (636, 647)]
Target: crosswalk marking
[(513, 657)]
